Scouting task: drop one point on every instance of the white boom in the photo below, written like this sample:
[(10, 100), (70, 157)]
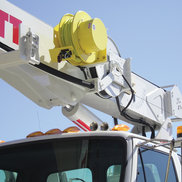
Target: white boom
[(108, 86)]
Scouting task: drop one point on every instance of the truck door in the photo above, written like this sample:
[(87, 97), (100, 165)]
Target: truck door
[(152, 166)]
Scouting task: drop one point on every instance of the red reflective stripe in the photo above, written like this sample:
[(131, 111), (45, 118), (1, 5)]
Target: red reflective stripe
[(3, 18), (83, 124), (16, 22), (79, 125)]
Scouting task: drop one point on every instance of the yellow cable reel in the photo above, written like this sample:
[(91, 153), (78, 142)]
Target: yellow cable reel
[(80, 40)]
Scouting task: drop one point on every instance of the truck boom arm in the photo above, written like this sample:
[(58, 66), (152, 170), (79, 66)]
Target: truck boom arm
[(107, 85)]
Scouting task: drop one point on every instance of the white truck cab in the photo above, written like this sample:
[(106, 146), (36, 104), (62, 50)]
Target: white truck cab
[(111, 156)]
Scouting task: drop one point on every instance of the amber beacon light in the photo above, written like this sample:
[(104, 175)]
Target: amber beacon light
[(179, 131), (121, 127)]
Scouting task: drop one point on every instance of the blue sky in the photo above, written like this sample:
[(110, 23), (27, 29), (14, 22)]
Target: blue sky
[(150, 32)]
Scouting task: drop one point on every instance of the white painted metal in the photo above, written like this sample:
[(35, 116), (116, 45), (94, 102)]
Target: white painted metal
[(12, 59), (81, 116), (151, 103), (165, 130), (29, 22), (112, 81), (176, 102)]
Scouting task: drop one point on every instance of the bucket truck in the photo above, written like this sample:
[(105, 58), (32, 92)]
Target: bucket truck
[(74, 65)]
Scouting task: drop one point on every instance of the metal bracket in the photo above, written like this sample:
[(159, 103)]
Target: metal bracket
[(155, 102), (113, 83), (29, 48), (176, 102), (110, 76), (165, 130)]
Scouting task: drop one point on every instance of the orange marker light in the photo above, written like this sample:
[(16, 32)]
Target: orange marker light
[(120, 127), (2, 141), (179, 131), (35, 134), (72, 129), (53, 132)]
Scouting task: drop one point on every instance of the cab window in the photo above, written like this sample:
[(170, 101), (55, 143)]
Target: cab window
[(152, 165), (101, 159)]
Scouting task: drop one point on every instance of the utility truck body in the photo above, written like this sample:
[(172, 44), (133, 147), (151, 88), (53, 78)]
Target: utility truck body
[(73, 65)]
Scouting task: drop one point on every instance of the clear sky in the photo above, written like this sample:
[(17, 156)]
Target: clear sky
[(150, 32)]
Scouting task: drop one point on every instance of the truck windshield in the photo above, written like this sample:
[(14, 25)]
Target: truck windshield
[(64, 160)]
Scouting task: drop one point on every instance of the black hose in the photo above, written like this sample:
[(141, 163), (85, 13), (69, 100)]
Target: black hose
[(124, 114)]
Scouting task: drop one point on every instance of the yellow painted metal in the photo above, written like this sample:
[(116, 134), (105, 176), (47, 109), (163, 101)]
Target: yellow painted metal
[(92, 35), (86, 37), (54, 53)]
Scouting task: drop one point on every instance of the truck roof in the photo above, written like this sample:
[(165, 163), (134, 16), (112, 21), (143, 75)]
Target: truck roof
[(122, 134)]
